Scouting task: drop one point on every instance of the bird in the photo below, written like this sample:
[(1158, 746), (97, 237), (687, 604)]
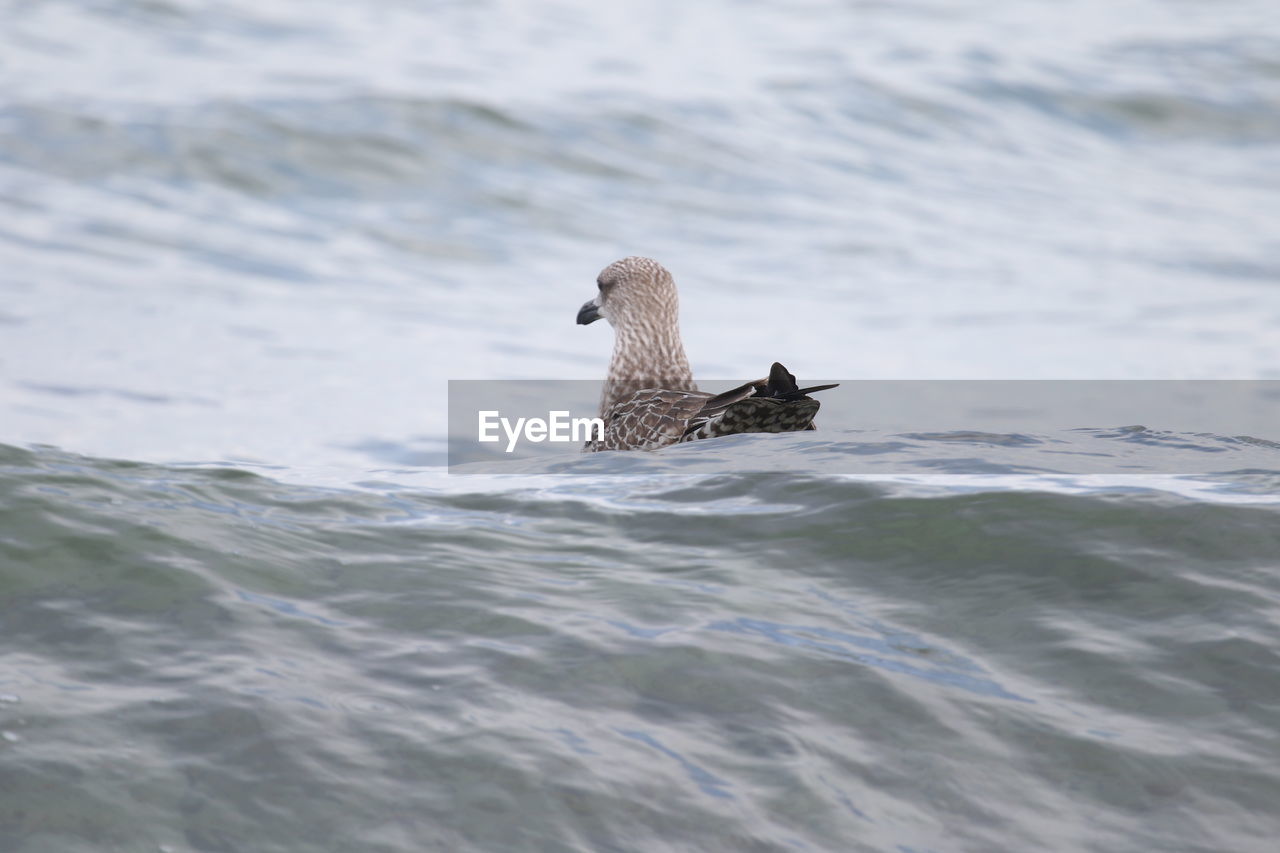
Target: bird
[(649, 399)]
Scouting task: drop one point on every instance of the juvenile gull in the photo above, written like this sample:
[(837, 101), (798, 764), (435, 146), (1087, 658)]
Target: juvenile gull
[(649, 398)]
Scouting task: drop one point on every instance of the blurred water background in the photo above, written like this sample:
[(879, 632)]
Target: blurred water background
[(243, 607)]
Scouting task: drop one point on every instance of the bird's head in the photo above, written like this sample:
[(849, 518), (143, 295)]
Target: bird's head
[(633, 291)]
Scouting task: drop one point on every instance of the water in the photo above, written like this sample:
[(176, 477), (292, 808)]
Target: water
[(243, 607)]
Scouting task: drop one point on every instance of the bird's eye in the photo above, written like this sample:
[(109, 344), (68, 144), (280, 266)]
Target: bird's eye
[(600, 284)]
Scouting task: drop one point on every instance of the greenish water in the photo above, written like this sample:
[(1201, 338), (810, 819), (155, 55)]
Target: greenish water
[(211, 660), (246, 245)]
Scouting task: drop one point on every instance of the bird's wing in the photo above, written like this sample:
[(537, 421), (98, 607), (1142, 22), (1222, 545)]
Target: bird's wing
[(654, 417), (649, 419), (775, 404)]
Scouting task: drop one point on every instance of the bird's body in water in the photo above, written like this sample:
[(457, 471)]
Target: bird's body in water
[(649, 398)]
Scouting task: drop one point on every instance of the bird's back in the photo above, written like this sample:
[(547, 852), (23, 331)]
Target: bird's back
[(655, 417)]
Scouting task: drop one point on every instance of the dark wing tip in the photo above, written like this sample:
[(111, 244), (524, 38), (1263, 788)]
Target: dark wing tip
[(781, 385), (780, 379), (812, 388)]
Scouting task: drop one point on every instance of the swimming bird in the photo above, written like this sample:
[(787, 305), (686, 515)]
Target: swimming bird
[(650, 399)]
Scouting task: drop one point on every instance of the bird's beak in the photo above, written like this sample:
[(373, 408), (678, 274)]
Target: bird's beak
[(589, 312)]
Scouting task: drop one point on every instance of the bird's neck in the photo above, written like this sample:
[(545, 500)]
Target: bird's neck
[(643, 358)]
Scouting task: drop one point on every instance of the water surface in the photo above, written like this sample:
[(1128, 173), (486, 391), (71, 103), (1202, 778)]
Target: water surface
[(243, 247)]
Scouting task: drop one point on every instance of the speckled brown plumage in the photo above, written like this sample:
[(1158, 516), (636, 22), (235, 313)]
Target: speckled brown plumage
[(649, 398)]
